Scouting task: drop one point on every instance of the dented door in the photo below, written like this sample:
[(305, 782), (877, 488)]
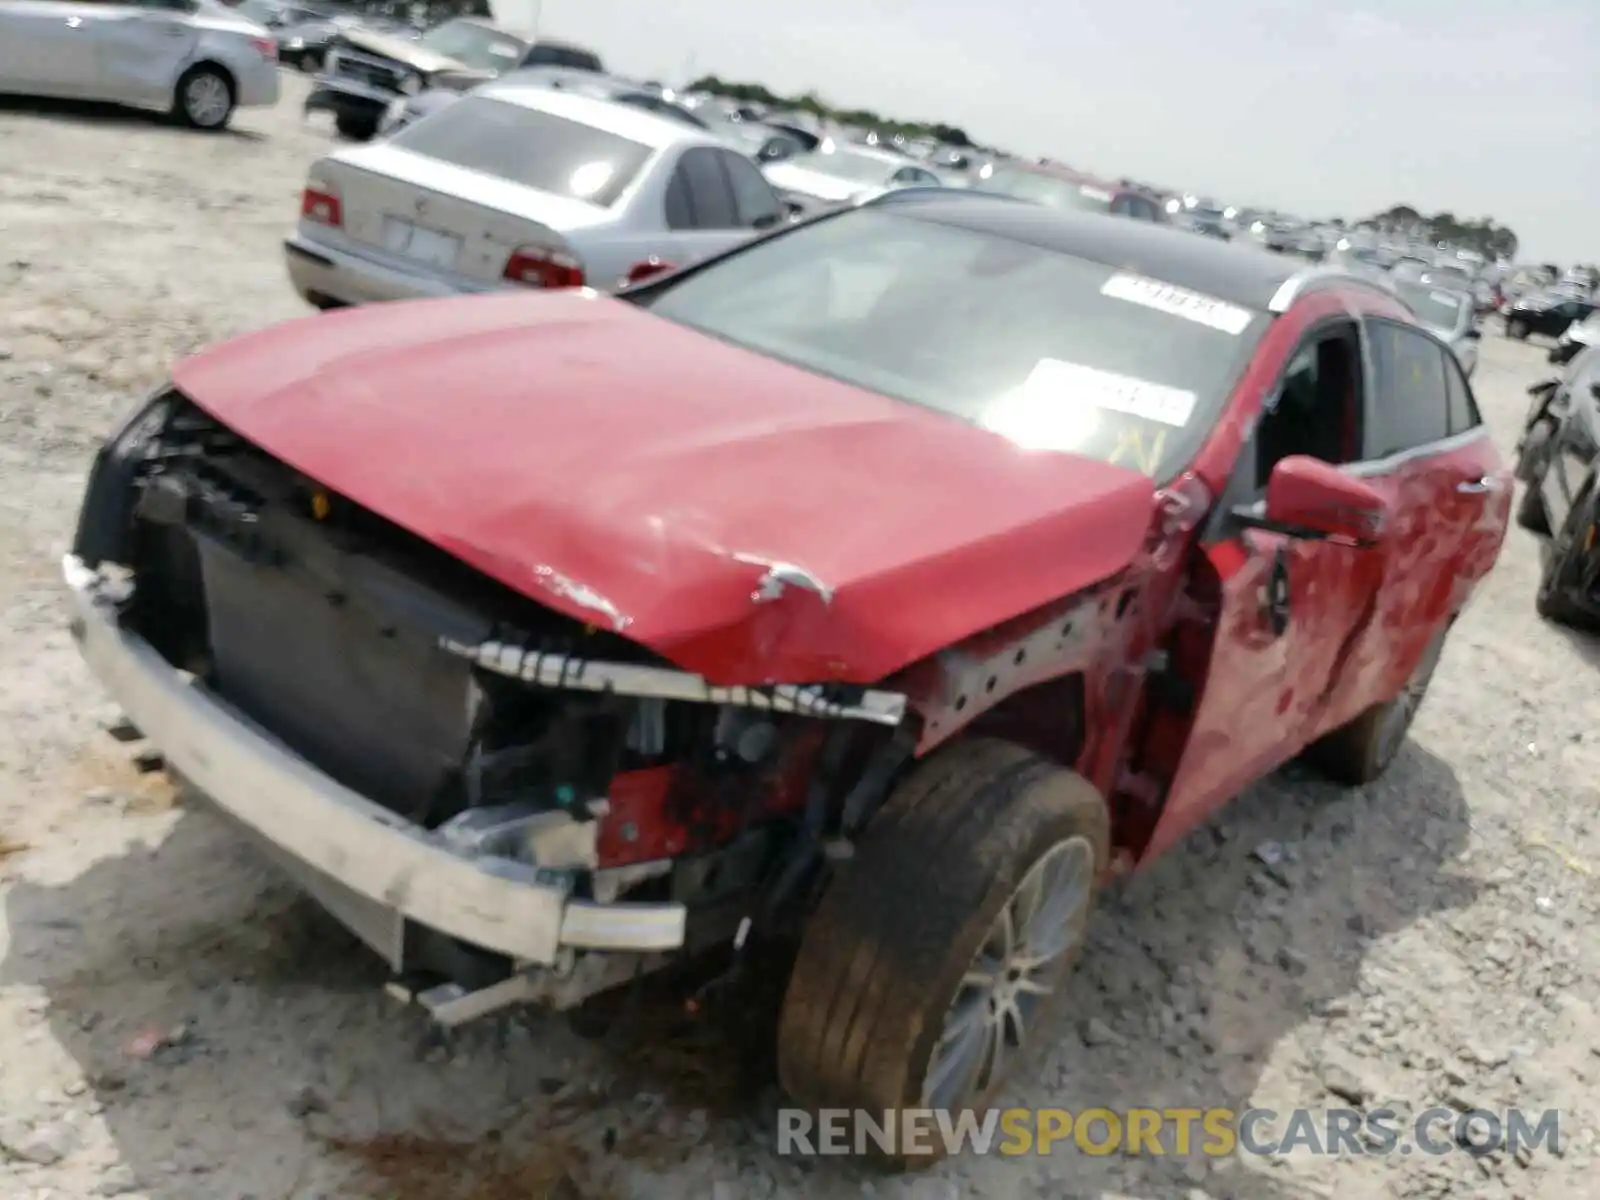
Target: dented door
[(1287, 612), (1447, 495)]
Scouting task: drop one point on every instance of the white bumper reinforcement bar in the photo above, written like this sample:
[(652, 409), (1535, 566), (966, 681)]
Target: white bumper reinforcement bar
[(497, 903)]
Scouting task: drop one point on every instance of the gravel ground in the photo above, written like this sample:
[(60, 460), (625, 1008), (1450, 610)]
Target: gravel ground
[(177, 1024)]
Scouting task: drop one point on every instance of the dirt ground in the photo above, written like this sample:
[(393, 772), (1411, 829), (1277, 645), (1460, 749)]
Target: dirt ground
[(174, 1023)]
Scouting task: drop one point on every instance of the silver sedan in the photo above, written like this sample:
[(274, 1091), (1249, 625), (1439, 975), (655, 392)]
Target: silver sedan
[(834, 174), (519, 186), (192, 58)]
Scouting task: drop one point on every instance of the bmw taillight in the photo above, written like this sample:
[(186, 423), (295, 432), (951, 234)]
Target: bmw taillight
[(543, 267), (320, 203)]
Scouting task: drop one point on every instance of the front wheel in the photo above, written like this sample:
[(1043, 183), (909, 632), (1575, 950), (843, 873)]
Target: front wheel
[(204, 98), (935, 959)]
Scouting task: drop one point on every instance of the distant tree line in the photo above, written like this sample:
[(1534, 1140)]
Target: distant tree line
[(1486, 237), (810, 102)]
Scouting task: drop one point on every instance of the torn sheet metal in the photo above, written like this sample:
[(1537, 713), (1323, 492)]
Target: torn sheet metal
[(779, 577), (582, 595), (628, 679)]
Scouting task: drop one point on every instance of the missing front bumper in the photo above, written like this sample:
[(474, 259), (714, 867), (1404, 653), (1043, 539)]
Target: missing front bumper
[(378, 862)]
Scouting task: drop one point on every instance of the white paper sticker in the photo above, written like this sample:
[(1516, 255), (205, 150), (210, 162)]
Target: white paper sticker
[(1446, 298), (1064, 383), (1192, 306)]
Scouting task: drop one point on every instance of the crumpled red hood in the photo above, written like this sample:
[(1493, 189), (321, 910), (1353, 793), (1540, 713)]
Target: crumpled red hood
[(628, 471)]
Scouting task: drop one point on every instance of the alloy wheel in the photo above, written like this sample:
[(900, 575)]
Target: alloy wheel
[(206, 100), (1022, 961)]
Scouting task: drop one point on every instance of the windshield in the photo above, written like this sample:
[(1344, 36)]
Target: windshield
[(1050, 351), (527, 146), (1048, 190), (475, 45), (1441, 309), (262, 12), (751, 137), (845, 164)]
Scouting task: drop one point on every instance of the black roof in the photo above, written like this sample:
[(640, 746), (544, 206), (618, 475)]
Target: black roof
[(1242, 275)]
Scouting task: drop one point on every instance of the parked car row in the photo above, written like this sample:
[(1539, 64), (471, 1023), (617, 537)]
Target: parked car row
[(1546, 314)]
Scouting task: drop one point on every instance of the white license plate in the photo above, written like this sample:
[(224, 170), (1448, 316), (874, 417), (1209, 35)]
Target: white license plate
[(424, 245)]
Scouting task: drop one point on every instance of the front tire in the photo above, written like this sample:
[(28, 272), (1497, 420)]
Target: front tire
[(1553, 601), (942, 946), (205, 99), (1360, 751), (357, 129), (1531, 514)]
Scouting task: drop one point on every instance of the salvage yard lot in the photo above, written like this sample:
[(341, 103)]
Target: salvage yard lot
[(174, 1024)]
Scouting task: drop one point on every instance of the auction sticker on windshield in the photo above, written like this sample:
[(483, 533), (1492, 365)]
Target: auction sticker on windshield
[(1192, 306), (1065, 382)]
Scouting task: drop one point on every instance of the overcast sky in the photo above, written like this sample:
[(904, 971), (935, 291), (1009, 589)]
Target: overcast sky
[(1480, 107)]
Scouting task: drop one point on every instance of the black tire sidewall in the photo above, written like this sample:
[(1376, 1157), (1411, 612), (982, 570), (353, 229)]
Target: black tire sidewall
[(970, 939), (357, 129), (882, 956), (1530, 467), (1551, 601)]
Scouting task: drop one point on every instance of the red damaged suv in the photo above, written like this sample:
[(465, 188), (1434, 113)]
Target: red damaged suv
[(894, 581)]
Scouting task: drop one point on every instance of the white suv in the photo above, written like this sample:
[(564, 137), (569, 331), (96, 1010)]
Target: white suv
[(192, 58)]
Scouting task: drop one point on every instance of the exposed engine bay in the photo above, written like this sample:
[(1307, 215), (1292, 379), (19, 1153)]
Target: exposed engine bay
[(509, 729)]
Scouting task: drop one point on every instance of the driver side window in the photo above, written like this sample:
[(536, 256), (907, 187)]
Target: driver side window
[(1314, 408)]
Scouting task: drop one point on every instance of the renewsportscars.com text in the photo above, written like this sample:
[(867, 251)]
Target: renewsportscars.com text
[(1209, 1132)]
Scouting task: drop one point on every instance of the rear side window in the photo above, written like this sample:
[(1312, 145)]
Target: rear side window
[(756, 204), (527, 146), (1464, 413), (1409, 404), (699, 196)]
